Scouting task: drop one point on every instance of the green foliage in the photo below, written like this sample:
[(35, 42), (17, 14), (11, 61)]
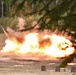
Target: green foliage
[(12, 22), (54, 14), (8, 22), (67, 60)]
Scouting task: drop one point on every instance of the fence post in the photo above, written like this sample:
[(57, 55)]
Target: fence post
[(43, 68)]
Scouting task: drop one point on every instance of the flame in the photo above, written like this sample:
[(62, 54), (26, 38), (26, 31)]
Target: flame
[(37, 44)]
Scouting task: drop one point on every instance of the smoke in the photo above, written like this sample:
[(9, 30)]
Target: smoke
[(15, 35), (21, 23)]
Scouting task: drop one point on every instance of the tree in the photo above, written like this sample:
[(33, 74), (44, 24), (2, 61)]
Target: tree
[(55, 13)]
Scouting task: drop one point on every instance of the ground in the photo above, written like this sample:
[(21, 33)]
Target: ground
[(15, 67), (29, 68)]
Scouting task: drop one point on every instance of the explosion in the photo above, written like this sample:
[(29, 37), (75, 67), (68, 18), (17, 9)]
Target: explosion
[(37, 45)]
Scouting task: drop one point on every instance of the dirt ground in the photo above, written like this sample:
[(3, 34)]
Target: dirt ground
[(2, 40), (29, 68), (15, 67)]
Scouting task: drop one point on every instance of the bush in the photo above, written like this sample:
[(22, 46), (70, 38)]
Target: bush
[(12, 22)]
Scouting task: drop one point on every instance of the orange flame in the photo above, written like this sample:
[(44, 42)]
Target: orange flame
[(32, 43)]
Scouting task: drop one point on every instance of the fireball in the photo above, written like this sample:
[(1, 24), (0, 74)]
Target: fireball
[(37, 45)]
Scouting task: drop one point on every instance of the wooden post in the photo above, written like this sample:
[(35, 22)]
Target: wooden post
[(43, 68), (73, 69), (57, 69)]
